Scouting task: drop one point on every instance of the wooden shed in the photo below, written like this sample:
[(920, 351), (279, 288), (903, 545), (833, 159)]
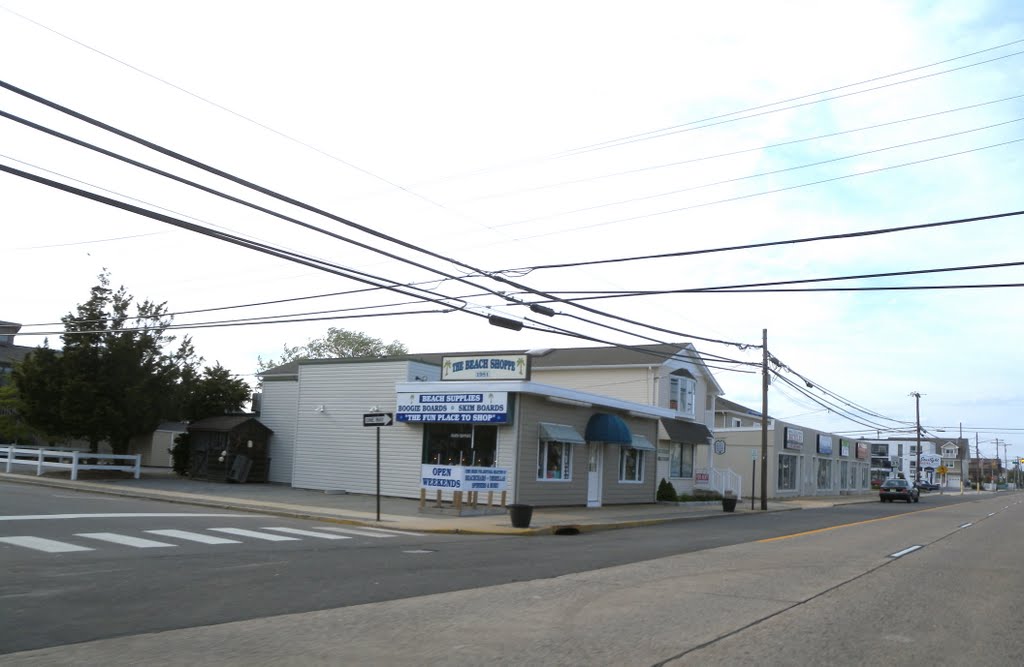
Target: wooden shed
[(229, 448)]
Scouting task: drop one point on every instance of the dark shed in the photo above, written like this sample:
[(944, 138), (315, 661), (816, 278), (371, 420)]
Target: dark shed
[(229, 448)]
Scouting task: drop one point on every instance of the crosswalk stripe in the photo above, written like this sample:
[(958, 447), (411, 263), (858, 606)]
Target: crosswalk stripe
[(193, 537), (393, 532), (307, 533), (125, 540), (242, 532), (43, 544), (358, 531)]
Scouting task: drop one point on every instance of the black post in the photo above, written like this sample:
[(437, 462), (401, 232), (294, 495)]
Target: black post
[(753, 477), (378, 474)]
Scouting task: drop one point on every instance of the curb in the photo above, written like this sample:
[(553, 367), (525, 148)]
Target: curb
[(259, 508)]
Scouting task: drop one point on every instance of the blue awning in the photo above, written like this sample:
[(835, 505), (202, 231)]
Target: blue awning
[(604, 427)]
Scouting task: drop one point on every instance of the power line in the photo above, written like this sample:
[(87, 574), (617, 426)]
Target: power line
[(218, 172), (257, 123), (768, 244), (760, 174), (724, 118), (742, 287), (765, 192), (590, 179)]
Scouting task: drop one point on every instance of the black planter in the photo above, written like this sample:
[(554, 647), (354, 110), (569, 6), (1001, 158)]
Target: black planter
[(520, 515), (729, 504)]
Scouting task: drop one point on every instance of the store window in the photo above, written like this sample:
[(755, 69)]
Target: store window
[(631, 465), (845, 480), (787, 472), (554, 461), (680, 460), (824, 473), (460, 444)]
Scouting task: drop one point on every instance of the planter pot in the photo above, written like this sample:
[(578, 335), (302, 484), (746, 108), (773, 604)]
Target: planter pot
[(729, 504), (520, 515)]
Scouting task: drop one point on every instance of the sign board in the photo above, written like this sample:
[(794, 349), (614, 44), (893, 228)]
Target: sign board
[(487, 367), (378, 419), (931, 460), (701, 477), (824, 444), (463, 478), (794, 438), (719, 446), (844, 447), (475, 408), (862, 450)]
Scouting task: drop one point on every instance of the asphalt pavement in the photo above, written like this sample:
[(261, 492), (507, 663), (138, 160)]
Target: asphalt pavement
[(403, 513)]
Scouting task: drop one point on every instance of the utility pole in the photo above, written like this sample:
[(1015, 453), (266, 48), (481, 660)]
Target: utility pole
[(917, 402), (999, 458), (764, 420), (977, 455)]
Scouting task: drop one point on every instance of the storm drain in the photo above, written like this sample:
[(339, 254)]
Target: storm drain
[(567, 530)]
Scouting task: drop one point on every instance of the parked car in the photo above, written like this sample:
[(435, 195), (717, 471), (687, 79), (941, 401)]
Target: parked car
[(925, 485), (898, 488)]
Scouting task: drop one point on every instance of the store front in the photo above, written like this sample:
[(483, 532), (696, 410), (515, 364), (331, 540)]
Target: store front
[(539, 444)]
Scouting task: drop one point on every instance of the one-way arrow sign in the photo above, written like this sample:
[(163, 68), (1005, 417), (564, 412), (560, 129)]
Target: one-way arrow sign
[(378, 419)]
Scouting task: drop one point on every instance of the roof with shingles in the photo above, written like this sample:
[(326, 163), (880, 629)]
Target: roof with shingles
[(223, 423)]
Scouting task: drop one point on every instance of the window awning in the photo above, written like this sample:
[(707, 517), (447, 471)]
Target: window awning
[(641, 442), (688, 432), (560, 433), (604, 427)]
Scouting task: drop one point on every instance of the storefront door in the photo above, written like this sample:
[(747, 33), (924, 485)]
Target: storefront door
[(595, 464)]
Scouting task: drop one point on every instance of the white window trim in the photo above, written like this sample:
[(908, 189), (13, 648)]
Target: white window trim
[(640, 463), (542, 451), (683, 392)]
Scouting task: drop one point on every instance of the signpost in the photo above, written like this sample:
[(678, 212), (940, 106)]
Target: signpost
[(378, 419), (753, 475)]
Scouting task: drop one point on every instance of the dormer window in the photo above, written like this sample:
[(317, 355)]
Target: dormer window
[(682, 390)]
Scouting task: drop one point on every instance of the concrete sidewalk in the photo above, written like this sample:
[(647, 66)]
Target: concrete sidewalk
[(402, 513)]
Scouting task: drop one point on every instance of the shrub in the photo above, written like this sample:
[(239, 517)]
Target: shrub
[(180, 455), (666, 491)]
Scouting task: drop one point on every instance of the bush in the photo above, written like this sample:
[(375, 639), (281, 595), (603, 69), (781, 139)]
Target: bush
[(666, 491), (706, 494), (180, 455)]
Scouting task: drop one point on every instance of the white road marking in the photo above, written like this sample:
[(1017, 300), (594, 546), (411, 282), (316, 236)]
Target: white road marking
[(116, 515), (242, 532), (905, 551), (307, 533), (393, 532), (967, 525), (193, 537), (126, 540), (418, 551), (42, 544), (359, 531)]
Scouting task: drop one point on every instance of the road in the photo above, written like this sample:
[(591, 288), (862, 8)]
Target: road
[(410, 597)]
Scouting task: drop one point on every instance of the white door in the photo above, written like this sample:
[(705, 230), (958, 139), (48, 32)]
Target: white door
[(595, 464)]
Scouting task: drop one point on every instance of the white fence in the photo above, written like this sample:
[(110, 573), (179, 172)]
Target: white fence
[(66, 459)]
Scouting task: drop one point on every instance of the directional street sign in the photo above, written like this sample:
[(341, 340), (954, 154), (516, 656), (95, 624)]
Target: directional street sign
[(378, 419)]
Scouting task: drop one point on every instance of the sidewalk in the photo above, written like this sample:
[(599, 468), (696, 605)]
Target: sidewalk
[(402, 513)]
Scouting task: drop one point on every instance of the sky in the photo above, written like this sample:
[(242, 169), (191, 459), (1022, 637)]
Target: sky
[(473, 145)]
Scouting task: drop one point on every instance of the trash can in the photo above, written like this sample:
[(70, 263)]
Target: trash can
[(520, 514), (729, 503)]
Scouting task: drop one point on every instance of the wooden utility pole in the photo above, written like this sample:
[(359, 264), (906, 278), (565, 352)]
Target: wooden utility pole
[(917, 401), (764, 419)]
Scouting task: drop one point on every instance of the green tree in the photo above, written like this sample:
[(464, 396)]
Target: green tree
[(337, 344), (114, 378), (215, 392)]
